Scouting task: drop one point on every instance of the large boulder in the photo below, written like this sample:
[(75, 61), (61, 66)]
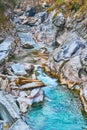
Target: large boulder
[(84, 59), (59, 21), (81, 28), (26, 40), (19, 125), (66, 59), (18, 69), (70, 71), (36, 96), (6, 48), (9, 111), (71, 47)]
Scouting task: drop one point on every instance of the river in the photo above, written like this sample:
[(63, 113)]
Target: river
[(61, 109)]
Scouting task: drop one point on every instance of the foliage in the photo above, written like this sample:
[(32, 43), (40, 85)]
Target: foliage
[(70, 7)]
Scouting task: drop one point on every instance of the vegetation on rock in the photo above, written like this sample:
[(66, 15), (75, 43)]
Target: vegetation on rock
[(70, 7)]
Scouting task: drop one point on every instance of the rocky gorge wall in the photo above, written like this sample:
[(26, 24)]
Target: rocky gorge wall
[(69, 61)]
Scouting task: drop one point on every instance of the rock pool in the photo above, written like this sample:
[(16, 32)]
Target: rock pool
[(61, 109)]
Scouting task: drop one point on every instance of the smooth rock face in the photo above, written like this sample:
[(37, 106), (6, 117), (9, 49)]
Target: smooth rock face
[(6, 48), (81, 28), (71, 69), (84, 58), (68, 60), (36, 96), (26, 40), (70, 48), (18, 69), (9, 111), (19, 125)]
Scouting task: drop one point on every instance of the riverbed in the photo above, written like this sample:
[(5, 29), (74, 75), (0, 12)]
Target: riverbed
[(61, 109)]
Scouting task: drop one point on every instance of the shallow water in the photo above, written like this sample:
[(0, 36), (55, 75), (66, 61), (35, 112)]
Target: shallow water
[(61, 109)]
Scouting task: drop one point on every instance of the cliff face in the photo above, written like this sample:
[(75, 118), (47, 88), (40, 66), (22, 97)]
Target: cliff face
[(69, 60)]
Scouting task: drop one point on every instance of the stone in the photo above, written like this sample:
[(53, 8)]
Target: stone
[(28, 67), (84, 90), (71, 69), (43, 16), (35, 96), (22, 101), (18, 69), (26, 40), (66, 60), (81, 28), (23, 106), (4, 84), (9, 111), (31, 12), (34, 92), (19, 125), (72, 46), (39, 97), (59, 21), (1, 39), (23, 94), (22, 28), (84, 58), (16, 20), (6, 48), (31, 21), (83, 95)]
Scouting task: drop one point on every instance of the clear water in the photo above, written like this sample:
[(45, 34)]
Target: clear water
[(61, 109)]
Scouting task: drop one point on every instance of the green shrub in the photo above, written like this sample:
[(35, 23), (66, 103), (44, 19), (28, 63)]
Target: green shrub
[(75, 6)]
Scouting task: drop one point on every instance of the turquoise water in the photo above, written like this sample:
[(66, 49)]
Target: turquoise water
[(61, 109)]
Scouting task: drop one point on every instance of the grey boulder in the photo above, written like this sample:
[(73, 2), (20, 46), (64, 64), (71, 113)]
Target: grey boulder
[(26, 40), (19, 125)]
